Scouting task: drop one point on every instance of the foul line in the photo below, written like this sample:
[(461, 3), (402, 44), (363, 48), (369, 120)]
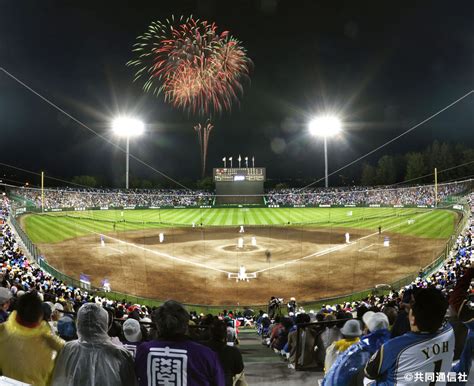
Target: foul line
[(155, 252), (367, 247), (333, 249), (115, 249), (316, 254)]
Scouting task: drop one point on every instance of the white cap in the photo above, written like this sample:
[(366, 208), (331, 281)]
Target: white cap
[(131, 330), (375, 320)]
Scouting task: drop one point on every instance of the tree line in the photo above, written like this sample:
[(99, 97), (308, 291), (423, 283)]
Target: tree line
[(418, 167), (411, 167)]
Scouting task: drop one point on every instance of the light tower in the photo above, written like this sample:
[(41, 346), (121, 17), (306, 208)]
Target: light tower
[(127, 127), (325, 126)]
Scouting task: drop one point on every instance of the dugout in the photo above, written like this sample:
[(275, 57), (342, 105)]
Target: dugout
[(239, 185)]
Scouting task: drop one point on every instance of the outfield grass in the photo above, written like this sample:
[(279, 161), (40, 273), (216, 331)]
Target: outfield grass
[(59, 226)]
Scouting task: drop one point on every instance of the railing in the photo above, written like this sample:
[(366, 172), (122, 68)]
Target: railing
[(426, 271), (29, 245), (113, 295)]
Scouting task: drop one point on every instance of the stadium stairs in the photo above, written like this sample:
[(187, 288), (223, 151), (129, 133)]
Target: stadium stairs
[(263, 367)]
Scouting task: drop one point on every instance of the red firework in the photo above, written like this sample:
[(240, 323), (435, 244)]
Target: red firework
[(196, 68)]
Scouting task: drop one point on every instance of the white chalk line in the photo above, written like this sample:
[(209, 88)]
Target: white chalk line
[(316, 254), (333, 249), (156, 252), (114, 249), (367, 247)]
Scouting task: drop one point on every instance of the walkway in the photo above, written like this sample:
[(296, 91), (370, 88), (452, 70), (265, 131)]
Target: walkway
[(263, 367)]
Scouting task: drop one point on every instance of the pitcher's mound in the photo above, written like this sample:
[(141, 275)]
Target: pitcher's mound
[(245, 248)]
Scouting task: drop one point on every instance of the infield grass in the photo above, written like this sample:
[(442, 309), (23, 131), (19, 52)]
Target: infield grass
[(59, 226)]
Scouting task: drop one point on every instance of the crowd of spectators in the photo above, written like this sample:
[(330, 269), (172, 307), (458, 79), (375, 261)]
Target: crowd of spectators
[(105, 198), (52, 333), (115, 342), (349, 341), (417, 195), (94, 198)]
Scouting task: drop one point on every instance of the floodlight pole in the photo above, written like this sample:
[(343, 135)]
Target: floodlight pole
[(42, 192), (325, 162), (126, 161)]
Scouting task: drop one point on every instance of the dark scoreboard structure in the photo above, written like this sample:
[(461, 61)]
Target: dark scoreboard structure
[(239, 185)]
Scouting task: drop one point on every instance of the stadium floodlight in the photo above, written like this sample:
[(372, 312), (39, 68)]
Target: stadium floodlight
[(127, 127), (325, 126)]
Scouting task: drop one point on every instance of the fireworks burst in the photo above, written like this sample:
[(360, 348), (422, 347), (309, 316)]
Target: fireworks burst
[(196, 68)]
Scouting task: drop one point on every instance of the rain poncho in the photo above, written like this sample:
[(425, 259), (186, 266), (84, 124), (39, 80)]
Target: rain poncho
[(93, 359), (27, 354), (354, 358)]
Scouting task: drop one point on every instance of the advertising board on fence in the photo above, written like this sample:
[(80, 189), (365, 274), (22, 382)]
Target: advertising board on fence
[(20, 210)]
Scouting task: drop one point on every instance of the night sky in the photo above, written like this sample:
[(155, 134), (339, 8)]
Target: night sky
[(381, 65)]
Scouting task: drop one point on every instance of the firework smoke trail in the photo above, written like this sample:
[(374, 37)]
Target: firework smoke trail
[(198, 129), (203, 132)]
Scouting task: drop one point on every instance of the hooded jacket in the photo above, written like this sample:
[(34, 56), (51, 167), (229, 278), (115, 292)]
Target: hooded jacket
[(27, 354), (354, 358), (93, 359), (335, 349)]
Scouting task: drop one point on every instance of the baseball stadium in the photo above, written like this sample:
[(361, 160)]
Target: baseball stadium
[(234, 255), (205, 193)]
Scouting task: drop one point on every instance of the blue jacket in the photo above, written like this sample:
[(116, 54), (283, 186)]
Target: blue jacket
[(465, 360), (354, 358)]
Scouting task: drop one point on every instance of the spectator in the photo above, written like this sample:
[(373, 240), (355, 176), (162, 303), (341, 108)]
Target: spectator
[(173, 358), (230, 356), (328, 336), (5, 296), (281, 337), (27, 346), (307, 342), (351, 332), (461, 302), (345, 369), (392, 314), (133, 335), (67, 328), (93, 359), (292, 306), (428, 347), (402, 323)]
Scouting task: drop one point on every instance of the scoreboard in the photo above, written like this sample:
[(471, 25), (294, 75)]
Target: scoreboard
[(239, 185), (239, 174)]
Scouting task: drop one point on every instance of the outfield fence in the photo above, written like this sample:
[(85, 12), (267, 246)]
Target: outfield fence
[(353, 296)]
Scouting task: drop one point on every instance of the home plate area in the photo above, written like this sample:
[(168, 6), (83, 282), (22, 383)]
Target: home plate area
[(220, 265)]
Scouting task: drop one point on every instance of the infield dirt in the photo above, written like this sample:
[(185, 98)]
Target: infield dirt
[(191, 265)]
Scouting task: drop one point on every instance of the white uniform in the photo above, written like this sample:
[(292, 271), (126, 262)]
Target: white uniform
[(422, 355)]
